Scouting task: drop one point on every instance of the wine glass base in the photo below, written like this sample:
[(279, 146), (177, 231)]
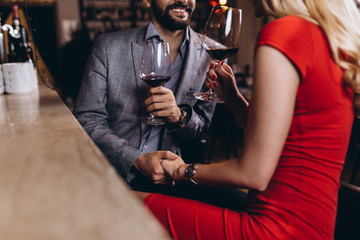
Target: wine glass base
[(208, 97), (152, 121)]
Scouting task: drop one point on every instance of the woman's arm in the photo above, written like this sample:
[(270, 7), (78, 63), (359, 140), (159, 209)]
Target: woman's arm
[(224, 83), (275, 86)]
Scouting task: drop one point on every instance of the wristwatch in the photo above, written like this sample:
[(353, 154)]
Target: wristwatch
[(182, 119), (190, 172)]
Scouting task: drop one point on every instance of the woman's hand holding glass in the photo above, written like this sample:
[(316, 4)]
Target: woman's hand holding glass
[(221, 78)]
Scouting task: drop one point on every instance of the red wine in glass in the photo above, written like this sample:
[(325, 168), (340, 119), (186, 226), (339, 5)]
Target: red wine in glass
[(222, 53), (155, 71), (222, 40), (155, 80)]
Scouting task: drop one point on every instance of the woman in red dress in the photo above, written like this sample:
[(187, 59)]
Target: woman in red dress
[(297, 129)]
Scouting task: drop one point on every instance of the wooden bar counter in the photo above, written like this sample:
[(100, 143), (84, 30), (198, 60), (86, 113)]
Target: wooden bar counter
[(54, 181)]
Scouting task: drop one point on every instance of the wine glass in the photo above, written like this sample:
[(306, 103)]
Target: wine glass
[(223, 34), (155, 70)]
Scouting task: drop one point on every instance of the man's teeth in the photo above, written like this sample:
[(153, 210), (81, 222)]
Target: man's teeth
[(178, 10)]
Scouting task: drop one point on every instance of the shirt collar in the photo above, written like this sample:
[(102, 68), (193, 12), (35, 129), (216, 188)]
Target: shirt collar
[(153, 33)]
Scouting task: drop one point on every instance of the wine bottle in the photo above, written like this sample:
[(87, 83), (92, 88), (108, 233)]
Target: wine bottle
[(19, 46)]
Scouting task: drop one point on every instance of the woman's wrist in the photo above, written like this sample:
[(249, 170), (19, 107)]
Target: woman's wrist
[(191, 171), (180, 173)]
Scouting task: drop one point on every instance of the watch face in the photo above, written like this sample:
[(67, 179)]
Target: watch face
[(189, 172)]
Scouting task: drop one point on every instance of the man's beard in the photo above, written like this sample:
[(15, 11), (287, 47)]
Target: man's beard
[(167, 21)]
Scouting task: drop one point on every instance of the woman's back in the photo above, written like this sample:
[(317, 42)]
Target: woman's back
[(301, 198)]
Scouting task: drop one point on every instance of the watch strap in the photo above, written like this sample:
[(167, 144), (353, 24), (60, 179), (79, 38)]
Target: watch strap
[(190, 172), (182, 119)]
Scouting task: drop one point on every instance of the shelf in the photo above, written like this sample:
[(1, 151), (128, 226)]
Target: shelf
[(28, 2), (100, 16)]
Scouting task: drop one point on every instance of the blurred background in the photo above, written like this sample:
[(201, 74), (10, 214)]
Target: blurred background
[(64, 30), (61, 33)]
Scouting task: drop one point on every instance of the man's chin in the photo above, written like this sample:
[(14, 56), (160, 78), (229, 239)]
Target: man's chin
[(177, 24), (180, 20)]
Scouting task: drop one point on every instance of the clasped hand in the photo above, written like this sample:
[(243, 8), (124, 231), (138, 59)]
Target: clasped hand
[(161, 167)]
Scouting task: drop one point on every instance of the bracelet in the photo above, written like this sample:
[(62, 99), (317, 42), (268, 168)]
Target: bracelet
[(190, 172)]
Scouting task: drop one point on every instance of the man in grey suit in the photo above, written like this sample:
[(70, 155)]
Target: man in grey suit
[(112, 96)]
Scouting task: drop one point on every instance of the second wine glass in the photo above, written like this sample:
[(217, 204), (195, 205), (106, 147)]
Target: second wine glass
[(223, 36), (155, 70)]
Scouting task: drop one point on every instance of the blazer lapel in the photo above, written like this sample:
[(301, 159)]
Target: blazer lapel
[(195, 52), (142, 89)]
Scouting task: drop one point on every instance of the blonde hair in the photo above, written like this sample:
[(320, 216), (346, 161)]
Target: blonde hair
[(340, 21)]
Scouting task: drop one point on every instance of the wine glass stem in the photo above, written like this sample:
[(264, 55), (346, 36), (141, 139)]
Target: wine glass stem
[(151, 116)]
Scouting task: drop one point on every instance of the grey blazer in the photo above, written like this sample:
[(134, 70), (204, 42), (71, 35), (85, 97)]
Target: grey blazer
[(112, 95)]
